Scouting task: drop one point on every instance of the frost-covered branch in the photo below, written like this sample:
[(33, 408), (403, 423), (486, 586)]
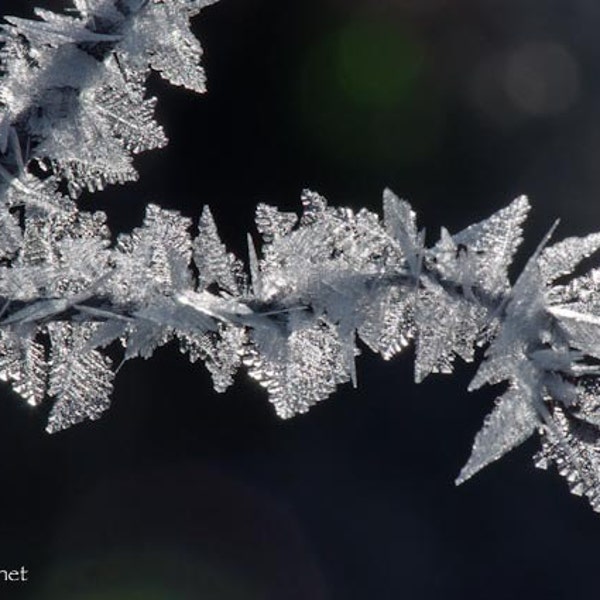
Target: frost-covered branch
[(73, 102), (292, 318)]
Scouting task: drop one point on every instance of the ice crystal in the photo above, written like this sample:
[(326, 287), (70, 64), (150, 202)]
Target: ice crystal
[(215, 264), (510, 423), (22, 362), (80, 379), (298, 367)]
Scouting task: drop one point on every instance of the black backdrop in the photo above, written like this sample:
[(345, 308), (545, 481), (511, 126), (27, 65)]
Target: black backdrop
[(180, 493)]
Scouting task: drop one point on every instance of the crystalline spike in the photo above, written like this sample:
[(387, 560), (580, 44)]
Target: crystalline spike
[(525, 316), (255, 277), (581, 329), (57, 30), (215, 264), (401, 224), (493, 242), (512, 421), (5, 127)]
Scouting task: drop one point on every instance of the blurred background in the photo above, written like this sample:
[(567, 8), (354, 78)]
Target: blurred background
[(179, 493)]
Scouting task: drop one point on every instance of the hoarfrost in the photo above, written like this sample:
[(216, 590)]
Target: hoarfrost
[(73, 103)]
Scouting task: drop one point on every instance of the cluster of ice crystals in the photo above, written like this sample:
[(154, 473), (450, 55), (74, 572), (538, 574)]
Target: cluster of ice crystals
[(159, 38), (292, 319), (73, 85), (573, 446), (73, 104)]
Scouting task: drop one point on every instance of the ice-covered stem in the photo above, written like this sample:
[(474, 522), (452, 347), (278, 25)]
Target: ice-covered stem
[(72, 95), (246, 311), (293, 317)]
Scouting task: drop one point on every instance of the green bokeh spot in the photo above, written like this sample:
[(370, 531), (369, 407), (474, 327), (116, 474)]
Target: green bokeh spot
[(365, 97), (377, 64)]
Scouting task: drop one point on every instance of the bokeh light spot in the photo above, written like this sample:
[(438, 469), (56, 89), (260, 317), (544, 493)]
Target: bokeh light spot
[(365, 97), (542, 78), (377, 65)]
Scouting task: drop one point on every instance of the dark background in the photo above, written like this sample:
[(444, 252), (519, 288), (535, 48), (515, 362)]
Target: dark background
[(179, 493)]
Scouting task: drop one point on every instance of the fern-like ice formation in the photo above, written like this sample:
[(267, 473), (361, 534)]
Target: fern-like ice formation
[(72, 101)]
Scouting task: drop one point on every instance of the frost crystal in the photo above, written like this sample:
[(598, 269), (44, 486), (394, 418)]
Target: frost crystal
[(512, 421), (73, 104), (215, 264), (299, 367), (80, 378), (22, 362)]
